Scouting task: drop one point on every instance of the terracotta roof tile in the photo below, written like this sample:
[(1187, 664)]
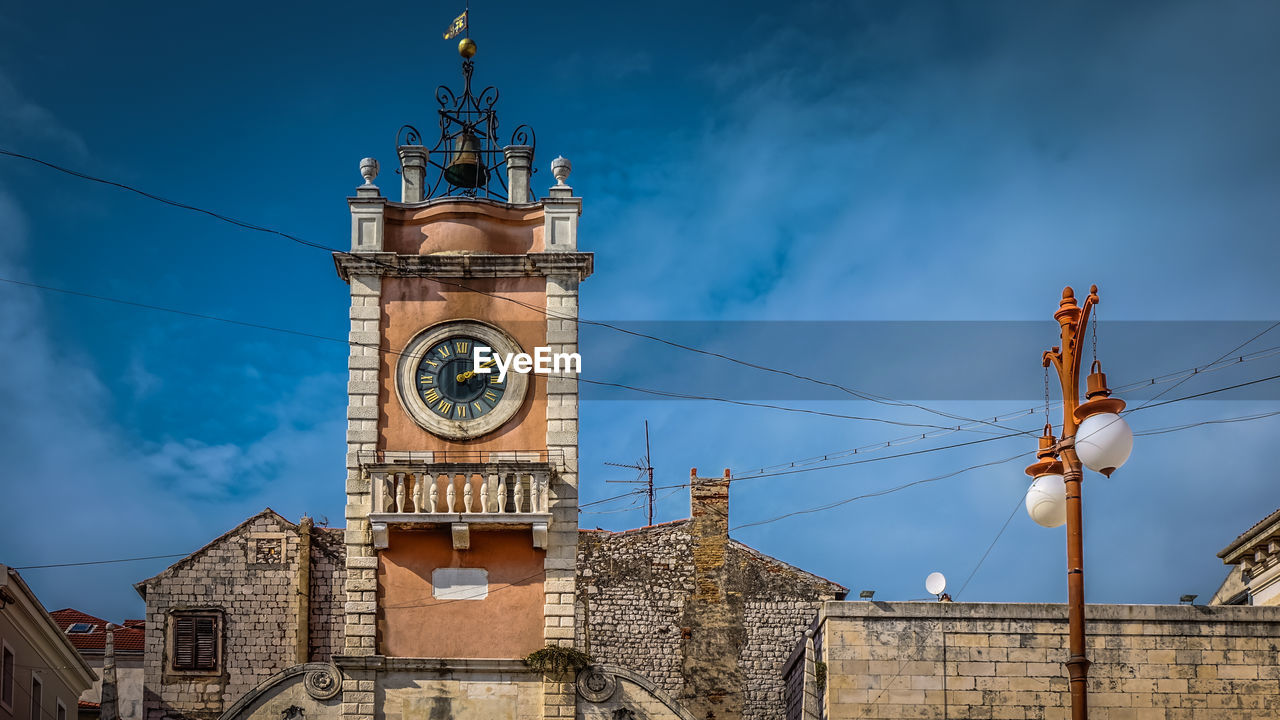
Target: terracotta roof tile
[(128, 640)]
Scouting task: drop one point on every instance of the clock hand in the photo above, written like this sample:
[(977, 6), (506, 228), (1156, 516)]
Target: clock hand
[(463, 377)]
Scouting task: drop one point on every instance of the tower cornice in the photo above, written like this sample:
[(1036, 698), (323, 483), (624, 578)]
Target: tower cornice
[(469, 265)]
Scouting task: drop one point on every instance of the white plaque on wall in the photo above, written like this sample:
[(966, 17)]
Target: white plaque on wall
[(460, 583)]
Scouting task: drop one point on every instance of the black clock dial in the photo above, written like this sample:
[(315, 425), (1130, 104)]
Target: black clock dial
[(447, 381)]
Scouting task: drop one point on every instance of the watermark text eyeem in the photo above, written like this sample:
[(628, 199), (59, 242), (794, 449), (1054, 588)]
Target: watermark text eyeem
[(541, 362)]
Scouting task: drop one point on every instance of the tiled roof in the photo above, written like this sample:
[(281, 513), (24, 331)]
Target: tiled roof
[(128, 640), (86, 705)]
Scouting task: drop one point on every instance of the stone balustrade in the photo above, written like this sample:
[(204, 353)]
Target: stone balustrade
[(461, 495)]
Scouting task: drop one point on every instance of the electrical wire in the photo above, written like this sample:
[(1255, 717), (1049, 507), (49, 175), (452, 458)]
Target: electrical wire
[(1013, 415), (99, 562), (879, 493), (541, 310), (387, 351), (1159, 431), (995, 540)]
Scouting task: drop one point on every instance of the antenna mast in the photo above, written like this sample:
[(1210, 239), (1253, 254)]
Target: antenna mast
[(644, 466)]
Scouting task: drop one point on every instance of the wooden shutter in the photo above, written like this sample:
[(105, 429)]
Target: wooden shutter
[(184, 643), (206, 640)]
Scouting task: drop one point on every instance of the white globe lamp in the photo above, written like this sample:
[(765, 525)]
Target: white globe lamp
[(1103, 439), (1047, 501), (1047, 496), (1103, 442)]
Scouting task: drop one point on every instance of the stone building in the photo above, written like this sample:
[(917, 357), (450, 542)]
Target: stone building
[(41, 674), (694, 611), (263, 597), (89, 636)]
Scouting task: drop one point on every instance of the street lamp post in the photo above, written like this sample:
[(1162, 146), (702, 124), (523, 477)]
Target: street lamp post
[(1094, 436)]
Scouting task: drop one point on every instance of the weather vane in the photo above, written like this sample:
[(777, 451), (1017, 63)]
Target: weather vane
[(468, 155), (461, 25)]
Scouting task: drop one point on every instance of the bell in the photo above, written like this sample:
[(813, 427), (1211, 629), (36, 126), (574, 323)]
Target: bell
[(465, 170)]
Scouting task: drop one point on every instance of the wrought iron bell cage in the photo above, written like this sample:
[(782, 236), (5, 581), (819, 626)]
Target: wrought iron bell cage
[(467, 155)]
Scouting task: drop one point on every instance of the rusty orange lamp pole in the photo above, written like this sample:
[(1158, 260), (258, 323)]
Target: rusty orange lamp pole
[(1093, 435)]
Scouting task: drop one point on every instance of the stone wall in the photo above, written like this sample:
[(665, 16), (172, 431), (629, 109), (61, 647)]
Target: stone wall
[(248, 578), (1150, 662), (328, 580), (640, 607)]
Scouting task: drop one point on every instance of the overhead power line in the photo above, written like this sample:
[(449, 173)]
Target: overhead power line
[(1154, 431), (388, 351), (880, 399), (100, 562)]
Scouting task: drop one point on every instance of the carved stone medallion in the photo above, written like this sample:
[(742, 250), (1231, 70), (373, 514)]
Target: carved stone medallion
[(596, 685), (323, 684)]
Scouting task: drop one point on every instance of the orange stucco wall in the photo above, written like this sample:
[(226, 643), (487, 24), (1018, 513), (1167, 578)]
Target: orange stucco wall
[(411, 304), (456, 225), (506, 624)]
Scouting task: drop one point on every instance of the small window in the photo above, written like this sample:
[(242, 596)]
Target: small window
[(6, 678), (80, 628), (195, 642), (37, 689), (62, 711)]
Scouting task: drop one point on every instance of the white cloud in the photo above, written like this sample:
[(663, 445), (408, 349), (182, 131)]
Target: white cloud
[(28, 123), (78, 486)]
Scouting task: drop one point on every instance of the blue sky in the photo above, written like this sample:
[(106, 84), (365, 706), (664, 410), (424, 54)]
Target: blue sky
[(746, 162)]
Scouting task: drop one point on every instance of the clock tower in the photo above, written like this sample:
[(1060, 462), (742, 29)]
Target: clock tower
[(462, 481)]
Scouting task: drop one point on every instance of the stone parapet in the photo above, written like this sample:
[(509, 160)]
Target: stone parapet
[(912, 660)]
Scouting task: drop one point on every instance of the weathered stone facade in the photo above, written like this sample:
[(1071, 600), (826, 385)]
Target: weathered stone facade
[(248, 579), (996, 660), (704, 618)]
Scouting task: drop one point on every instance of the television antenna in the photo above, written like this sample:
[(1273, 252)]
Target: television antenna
[(643, 467)]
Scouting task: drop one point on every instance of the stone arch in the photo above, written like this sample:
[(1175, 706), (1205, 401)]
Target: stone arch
[(609, 692), (302, 692)]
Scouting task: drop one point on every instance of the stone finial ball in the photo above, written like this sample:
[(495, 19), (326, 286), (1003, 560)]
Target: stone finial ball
[(467, 48), (560, 169), (368, 170)]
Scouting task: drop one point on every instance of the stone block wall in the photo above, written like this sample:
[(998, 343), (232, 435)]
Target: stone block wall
[(1150, 662), (249, 579), (562, 451), (638, 607), (632, 587), (328, 580)]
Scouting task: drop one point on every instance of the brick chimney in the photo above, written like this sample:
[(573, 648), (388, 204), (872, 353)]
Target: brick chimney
[(713, 642)]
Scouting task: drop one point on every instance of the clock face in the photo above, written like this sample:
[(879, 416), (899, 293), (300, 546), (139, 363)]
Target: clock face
[(439, 389), (447, 382)]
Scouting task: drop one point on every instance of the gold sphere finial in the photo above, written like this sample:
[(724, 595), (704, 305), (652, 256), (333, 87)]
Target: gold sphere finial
[(467, 48)]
